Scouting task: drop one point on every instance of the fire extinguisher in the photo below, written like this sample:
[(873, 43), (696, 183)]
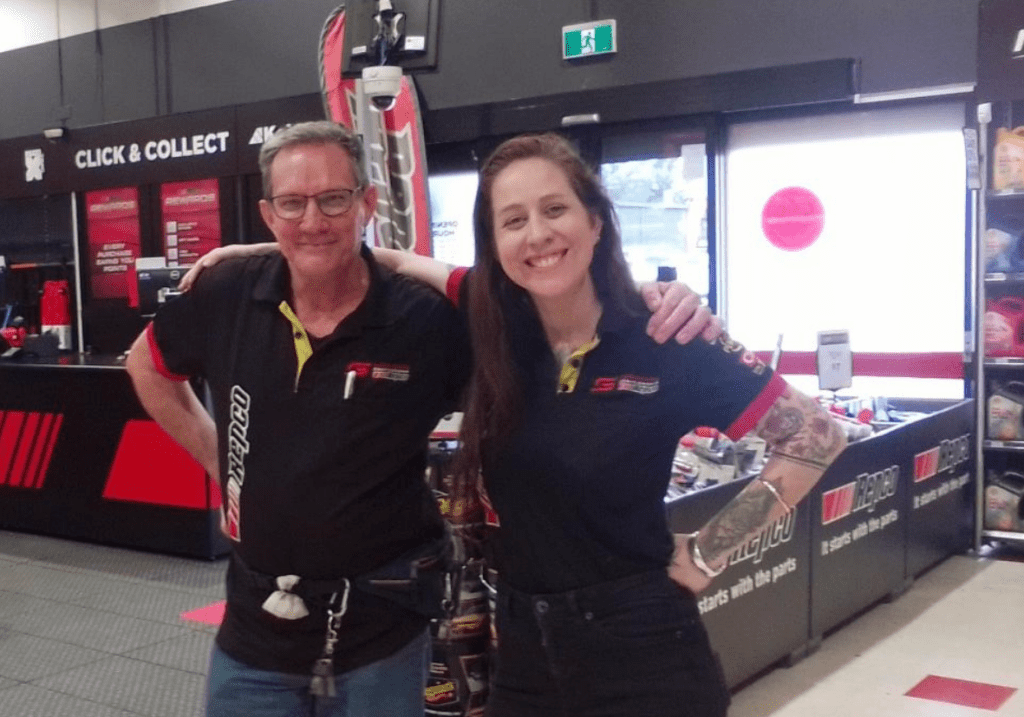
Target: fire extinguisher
[(55, 312)]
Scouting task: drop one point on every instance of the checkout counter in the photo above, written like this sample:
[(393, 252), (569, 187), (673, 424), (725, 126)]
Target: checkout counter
[(79, 458)]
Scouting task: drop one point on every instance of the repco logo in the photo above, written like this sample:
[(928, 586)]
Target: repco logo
[(867, 491), (944, 457), (772, 536)]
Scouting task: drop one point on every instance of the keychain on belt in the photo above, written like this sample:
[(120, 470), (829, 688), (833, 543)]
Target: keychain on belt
[(322, 684)]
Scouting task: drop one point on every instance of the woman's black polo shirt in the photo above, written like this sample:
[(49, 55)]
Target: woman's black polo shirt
[(579, 489), (320, 480)]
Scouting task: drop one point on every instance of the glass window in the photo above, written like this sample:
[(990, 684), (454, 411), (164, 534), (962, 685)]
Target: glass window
[(451, 216), (887, 262), (659, 185)]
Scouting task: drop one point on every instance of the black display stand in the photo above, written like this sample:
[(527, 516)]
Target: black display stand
[(80, 459), (889, 508)]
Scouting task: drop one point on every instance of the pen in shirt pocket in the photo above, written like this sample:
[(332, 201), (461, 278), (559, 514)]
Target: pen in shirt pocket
[(350, 383)]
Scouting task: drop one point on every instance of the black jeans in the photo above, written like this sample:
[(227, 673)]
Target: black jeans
[(628, 648)]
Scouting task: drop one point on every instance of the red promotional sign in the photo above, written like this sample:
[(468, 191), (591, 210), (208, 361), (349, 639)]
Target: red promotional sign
[(112, 216), (191, 220), (792, 218)]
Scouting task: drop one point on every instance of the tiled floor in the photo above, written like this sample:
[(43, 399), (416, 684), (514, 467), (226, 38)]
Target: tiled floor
[(93, 631)]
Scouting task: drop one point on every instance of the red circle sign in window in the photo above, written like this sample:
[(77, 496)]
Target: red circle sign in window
[(793, 218)]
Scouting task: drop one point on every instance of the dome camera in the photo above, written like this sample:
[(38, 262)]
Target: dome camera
[(382, 83)]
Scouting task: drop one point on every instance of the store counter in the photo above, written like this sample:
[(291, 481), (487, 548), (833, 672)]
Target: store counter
[(890, 507), (79, 458)]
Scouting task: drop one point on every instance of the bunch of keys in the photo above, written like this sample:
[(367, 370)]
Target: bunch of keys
[(322, 683)]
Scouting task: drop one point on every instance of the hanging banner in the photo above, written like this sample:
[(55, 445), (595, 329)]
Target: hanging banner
[(394, 142), (191, 220), (112, 217)]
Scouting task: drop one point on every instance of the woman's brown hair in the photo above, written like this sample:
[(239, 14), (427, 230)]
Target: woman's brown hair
[(501, 313)]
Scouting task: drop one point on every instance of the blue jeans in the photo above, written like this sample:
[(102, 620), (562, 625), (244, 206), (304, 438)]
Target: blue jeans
[(393, 686)]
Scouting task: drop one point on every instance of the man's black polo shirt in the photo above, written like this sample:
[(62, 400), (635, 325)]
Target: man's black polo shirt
[(579, 489), (322, 452)]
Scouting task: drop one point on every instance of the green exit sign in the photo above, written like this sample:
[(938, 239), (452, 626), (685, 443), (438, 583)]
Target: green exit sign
[(588, 38)]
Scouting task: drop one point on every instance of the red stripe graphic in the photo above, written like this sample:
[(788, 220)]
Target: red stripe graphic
[(56, 421), (837, 503), (10, 430), (926, 464), (26, 444)]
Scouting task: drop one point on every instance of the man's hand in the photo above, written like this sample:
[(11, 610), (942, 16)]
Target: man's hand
[(676, 309)]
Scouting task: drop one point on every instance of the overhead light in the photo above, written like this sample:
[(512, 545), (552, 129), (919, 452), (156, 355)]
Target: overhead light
[(54, 132)]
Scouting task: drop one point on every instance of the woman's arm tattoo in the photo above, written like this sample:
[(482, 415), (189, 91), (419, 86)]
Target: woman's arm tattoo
[(808, 435), (745, 514)]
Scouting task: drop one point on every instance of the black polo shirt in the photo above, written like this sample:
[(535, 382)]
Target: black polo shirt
[(579, 489), (322, 451)]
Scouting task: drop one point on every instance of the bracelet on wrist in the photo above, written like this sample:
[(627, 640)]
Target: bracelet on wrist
[(698, 559)]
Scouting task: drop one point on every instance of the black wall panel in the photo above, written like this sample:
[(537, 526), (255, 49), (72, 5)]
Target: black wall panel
[(29, 89), (239, 52), (129, 74), (490, 51)]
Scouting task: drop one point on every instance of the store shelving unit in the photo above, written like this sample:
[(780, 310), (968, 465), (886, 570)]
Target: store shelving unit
[(1002, 208)]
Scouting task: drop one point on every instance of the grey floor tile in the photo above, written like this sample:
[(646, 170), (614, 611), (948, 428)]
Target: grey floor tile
[(146, 601), (50, 583), (6, 684), (92, 628), (32, 701), (134, 686), (190, 653), (187, 573), (27, 657), (15, 603)]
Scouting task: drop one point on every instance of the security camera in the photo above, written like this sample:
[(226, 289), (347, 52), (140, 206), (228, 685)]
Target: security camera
[(382, 83)]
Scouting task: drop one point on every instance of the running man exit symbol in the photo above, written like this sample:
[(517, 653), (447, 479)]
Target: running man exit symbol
[(589, 38)]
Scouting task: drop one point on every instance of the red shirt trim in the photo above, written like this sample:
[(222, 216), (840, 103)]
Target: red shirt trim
[(749, 418), (158, 358), (455, 283)]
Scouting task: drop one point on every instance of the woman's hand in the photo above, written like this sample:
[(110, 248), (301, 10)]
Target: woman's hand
[(682, 569), (217, 255)]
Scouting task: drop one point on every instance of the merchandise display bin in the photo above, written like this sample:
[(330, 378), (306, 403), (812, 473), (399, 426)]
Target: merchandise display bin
[(889, 508)]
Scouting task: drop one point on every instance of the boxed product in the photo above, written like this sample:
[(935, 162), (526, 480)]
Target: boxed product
[(1003, 504), (1004, 327), (1005, 411), (1008, 159)]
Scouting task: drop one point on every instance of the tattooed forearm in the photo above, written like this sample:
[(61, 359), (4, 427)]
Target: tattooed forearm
[(810, 463), (743, 515), (798, 426)]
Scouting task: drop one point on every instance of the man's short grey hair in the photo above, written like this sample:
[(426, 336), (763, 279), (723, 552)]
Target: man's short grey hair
[(320, 132)]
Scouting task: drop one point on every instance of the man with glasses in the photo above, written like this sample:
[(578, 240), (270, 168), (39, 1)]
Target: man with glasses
[(327, 374)]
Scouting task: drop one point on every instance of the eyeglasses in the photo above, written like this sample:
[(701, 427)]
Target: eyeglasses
[(332, 203)]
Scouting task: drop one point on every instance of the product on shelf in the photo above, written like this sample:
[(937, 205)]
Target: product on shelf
[(1005, 409), (1008, 159), (1004, 507), (1004, 324), (1003, 250)]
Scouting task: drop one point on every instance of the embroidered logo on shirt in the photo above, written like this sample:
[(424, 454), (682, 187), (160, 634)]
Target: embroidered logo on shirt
[(747, 358), (380, 372), (632, 384)]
